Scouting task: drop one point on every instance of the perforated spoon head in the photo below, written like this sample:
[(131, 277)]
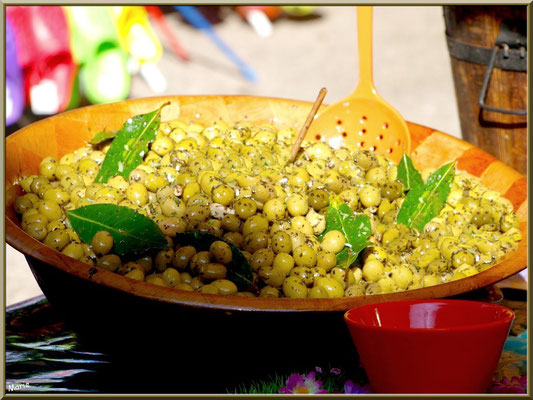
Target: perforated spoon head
[(363, 120), (363, 123)]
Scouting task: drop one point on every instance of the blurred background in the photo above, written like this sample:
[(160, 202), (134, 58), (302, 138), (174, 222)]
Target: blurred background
[(59, 58)]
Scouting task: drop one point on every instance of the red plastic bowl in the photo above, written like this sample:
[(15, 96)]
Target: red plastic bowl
[(429, 346)]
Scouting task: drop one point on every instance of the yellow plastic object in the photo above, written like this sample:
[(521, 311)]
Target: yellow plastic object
[(135, 33), (363, 119)]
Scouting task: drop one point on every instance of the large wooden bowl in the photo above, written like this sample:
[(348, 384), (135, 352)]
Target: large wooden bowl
[(92, 297)]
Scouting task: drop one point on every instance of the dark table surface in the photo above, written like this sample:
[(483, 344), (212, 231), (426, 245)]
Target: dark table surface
[(44, 355)]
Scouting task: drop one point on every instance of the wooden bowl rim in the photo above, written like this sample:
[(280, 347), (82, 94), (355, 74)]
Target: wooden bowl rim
[(32, 248)]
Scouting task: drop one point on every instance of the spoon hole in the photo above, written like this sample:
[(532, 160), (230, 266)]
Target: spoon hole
[(389, 150), (385, 125), (361, 144), (318, 137), (344, 134), (373, 148), (339, 122), (380, 137), (364, 131), (363, 118)]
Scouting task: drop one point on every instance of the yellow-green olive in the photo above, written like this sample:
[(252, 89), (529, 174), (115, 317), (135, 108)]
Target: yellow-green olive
[(225, 286), (333, 241), (293, 287), (332, 286), (212, 271), (220, 252), (102, 242)]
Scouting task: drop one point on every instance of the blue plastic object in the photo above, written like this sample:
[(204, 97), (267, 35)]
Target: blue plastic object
[(196, 19)]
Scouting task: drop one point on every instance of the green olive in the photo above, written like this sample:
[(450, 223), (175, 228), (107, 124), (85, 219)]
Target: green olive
[(220, 252), (231, 223), (332, 286), (294, 287), (261, 258), (326, 260), (109, 262), (269, 292), (57, 239), (212, 271), (333, 241), (171, 277), (304, 256), (163, 259), (225, 286), (182, 257), (245, 208), (392, 190), (102, 242), (318, 199)]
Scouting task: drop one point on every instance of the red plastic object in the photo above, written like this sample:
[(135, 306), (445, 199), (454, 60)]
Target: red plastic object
[(44, 49), (430, 346), (159, 19)]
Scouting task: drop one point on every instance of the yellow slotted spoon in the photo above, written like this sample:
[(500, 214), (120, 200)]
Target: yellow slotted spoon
[(363, 120)]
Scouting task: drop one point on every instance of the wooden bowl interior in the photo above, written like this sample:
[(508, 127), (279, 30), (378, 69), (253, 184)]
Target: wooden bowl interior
[(60, 134)]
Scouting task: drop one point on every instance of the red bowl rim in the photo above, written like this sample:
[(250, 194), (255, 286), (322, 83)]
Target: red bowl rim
[(508, 316)]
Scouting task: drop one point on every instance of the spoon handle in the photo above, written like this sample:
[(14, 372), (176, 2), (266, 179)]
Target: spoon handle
[(364, 43)]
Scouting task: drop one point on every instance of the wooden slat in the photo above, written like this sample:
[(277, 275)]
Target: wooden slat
[(517, 193), (475, 161), (499, 177), (438, 149)]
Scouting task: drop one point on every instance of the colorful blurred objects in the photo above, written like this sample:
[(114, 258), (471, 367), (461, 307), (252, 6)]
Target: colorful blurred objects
[(141, 43), (298, 11), (159, 19), (196, 19), (96, 46), (15, 98), (259, 17), (58, 57), (43, 53)]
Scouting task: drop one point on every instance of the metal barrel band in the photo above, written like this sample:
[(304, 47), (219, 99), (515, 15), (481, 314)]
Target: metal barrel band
[(485, 86), (510, 60), (511, 39)]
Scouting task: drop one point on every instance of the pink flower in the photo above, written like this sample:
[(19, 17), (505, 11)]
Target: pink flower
[(301, 384), (514, 385), (354, 388)]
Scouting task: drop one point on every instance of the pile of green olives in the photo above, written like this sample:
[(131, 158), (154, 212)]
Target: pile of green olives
[(238, 183)]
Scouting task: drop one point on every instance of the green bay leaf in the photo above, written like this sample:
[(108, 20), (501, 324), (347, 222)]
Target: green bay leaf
[(130, 145), (133, 233), (408, 174), (239, 269), (103, 136), (424, 203), (355, 228)]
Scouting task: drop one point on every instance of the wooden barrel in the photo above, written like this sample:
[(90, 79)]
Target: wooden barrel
[(471, 33)]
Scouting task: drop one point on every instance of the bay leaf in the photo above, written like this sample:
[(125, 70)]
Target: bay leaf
[(133, 233), (408, 174), (129, 146), (424, 203), (239, 269), (355, 228), (102, 136)]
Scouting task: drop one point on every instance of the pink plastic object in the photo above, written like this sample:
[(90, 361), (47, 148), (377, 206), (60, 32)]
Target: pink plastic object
[(430, 346), (44, 54), (15, 99)]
